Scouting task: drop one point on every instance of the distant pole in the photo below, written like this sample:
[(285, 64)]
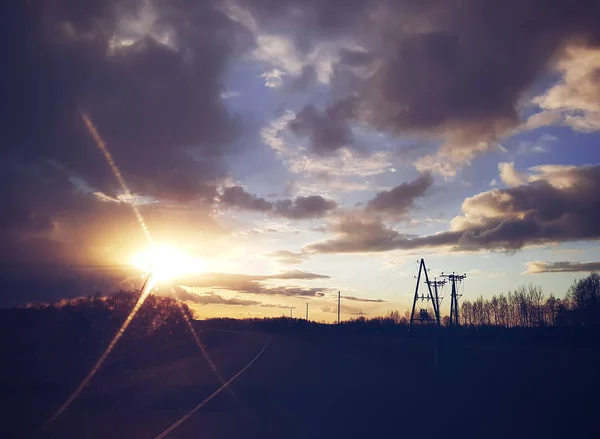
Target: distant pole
[(291, 313), (339, 304), (306, 311)]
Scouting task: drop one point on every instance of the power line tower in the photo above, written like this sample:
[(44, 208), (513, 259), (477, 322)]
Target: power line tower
[(437, 285), (454, 279), (423, 315)]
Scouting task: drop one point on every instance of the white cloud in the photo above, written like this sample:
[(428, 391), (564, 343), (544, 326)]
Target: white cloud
[(273, 78), (454, 155), (344, 162), (509, 175), (273, 133), (279, 52), (575, 99)]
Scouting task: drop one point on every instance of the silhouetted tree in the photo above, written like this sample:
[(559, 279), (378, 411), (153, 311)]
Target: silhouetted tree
[(583, 298)]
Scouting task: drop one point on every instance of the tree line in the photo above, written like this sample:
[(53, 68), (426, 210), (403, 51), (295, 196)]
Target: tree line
[(527, 306)]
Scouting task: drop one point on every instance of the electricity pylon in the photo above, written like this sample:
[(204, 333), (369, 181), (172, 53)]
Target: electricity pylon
[(423, 313), (435, 284), (454, 296)]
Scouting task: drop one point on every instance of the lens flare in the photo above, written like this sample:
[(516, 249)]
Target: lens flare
[(147, 287), (200, 345), (113, 166), (162, 263)]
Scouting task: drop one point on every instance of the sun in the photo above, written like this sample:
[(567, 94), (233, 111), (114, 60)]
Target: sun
[(167, 262)]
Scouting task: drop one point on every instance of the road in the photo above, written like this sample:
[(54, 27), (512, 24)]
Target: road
[(321, 387)]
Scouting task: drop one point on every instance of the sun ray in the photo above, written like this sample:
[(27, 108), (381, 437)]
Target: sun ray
[(108, 156), (200, 345), (147, 287)]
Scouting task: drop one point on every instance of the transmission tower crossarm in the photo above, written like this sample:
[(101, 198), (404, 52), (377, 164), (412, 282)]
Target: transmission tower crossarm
[(436, 311)]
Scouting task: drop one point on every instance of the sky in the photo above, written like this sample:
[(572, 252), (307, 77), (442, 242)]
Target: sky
[(292, 149)]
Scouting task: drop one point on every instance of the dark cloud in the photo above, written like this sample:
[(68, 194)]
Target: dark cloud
[(562, 267), (356, 57), (149, 77), (314, 206), (399, 199), (327, 130), (362, 299), (237, 197), (287, 257), (24, 282), (359, 234), (256, 284), (452, 68), (211, 298), (214, 299), (560, 203), (151, 100), (296, 274)]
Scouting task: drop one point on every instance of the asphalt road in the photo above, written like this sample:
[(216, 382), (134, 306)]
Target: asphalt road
[(314, 387)]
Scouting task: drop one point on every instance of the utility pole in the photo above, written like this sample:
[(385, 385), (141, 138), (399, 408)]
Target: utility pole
[(291, 312), (307, 311), (423, 313), (454, 279), (339, 305)]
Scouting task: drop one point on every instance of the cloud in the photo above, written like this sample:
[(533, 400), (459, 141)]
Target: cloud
[(361, 299), (107, 61), (343, 163), (399, 199), (214, 299), (334, 163), (561, 267), (575, 97), (559, 204), (328, 131), (152, 86), (256, 284), (287, 257), (273, 78), (296, 274), (435, 68), (237, 197), (314, 206), (509, 175), (279, 52)]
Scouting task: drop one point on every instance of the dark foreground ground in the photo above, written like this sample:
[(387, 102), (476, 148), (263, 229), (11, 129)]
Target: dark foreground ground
[(325, 385)]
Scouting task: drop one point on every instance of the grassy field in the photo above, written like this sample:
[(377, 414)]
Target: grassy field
[(319, 384)]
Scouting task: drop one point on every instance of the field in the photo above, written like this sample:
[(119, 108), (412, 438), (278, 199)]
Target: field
[(325, 383)]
